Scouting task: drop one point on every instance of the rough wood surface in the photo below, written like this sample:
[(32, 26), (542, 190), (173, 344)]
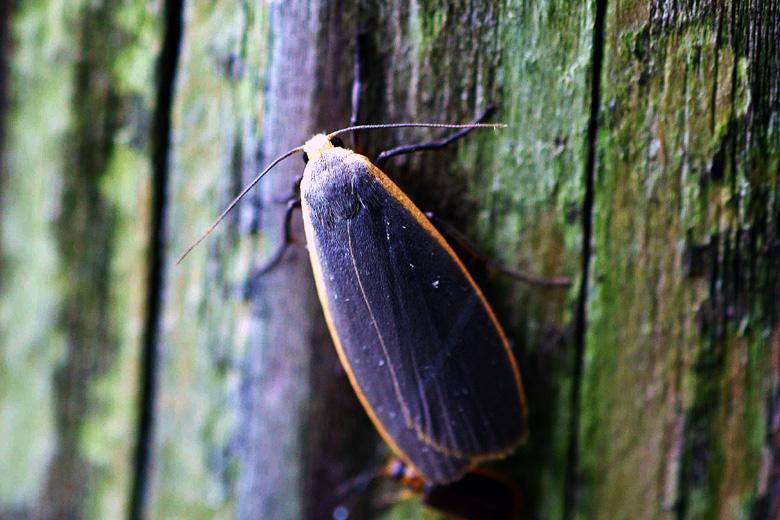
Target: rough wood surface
[(652, 382), (75, 227), (516, 192), (292, 432), (250, 387), (680, 382)]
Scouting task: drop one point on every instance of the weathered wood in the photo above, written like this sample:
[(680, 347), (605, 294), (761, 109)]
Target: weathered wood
[(203, 336), (517, 192), (75, 229), (411, 56), (251, 354), (662, 402), (680, 382)]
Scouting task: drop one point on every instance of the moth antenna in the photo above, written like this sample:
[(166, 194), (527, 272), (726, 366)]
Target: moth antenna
[(300, 148), (415, 125), (235, 201)]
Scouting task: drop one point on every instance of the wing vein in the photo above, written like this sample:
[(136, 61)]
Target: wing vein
[(388, 361)]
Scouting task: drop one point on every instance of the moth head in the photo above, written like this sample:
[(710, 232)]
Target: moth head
[(318, 144)]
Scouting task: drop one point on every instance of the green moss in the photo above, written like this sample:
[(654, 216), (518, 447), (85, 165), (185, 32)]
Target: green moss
[(532, 214), (663, 390), (32, 347), (412, 508), (218, 107), (51, 76)]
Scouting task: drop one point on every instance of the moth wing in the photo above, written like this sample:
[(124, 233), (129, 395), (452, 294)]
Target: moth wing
[(421, 346)]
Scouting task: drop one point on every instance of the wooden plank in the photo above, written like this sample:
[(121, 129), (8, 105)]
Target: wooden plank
[(516, 192), (678, 398), (75, 218), (203, 324), (250, 386), (255, 414)]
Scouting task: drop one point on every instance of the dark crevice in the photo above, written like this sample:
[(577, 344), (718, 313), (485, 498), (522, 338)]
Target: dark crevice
[(160, 145), (716, 75), (580, 320)]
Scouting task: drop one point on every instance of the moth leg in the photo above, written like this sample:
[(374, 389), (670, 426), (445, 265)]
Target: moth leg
[(472, 258), (289, 238), (293, 203), (251, 285), (434, 145), (361, 59)]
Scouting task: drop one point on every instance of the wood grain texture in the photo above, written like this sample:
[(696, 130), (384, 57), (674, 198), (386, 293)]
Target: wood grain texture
[(657, 397), (251, 390), (303, 86), (679, 379), (516, 192), (75, 229)]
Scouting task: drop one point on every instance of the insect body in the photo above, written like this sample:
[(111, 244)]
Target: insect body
[(420, 344), (422, 348)]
